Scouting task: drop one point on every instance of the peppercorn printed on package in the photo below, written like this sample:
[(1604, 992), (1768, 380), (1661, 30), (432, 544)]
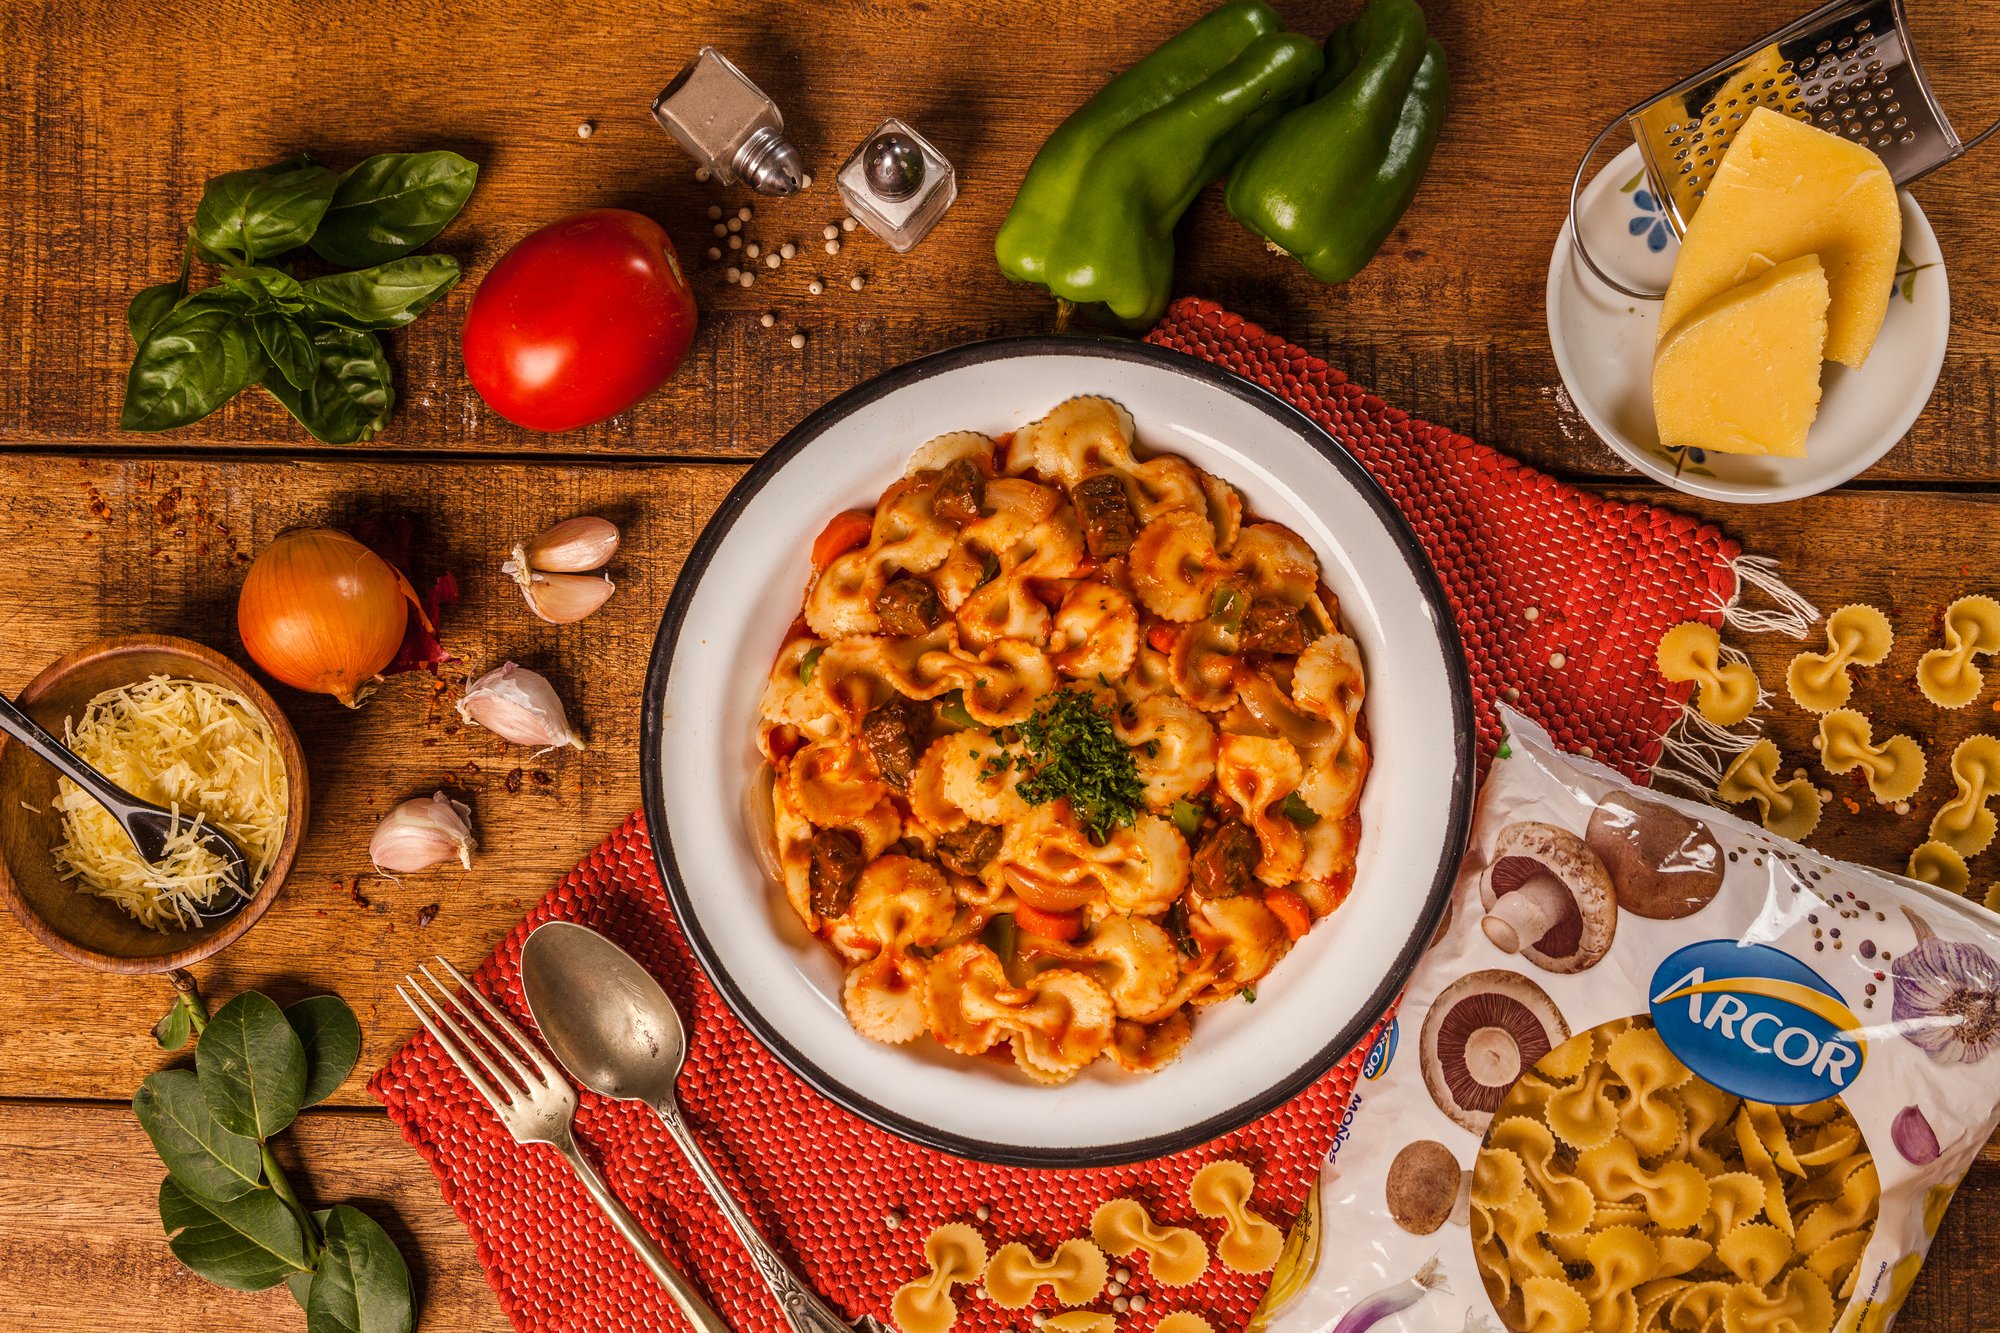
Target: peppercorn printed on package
[(1660, 1070)]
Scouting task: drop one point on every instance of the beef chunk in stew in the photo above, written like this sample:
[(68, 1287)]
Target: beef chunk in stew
[(1227, 862), (894, 733), (1272, 627), (908, 606), (1108, 522), (836, 863), (969, 849), (960, 493)]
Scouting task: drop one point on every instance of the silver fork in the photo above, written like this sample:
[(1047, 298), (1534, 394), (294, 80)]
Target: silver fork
[(535, 1105)]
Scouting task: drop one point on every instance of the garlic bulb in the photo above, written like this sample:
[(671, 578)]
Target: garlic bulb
[(520, 706), (419, 834), (551, 568)]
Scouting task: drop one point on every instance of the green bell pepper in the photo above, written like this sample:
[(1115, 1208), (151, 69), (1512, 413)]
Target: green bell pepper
[(1094, 219), (1328, 181)]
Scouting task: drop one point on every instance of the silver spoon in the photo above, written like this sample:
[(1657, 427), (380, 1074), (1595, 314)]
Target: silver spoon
[(616, 1032), (149, 826)]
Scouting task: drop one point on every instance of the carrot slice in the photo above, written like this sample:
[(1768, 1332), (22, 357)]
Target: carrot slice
[(1033, 920), (1291, 911), (842, 533)]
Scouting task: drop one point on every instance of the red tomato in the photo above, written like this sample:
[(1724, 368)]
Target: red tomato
[(579, 321)]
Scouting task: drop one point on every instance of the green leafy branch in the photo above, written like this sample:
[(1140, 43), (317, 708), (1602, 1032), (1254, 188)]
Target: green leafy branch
[(230, 1211), (310, 344)]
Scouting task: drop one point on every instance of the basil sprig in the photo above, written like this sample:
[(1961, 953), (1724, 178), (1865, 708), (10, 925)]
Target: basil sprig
[(311, 343), (230, 1213)]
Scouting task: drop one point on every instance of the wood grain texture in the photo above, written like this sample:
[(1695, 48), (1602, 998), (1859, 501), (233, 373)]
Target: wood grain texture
[(1447, 322), (85, 1250), (115, 114)]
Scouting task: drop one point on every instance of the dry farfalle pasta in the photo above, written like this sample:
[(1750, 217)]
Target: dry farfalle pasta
[(1697, 1210), (1075, 1271), (1178, 1256), (1855, 636), (1081, 1321), (1788, 809), (1249, 1243), (957, 1256), (1725, 692), (1965, 823), (1184, 1321), (1948, 676), (1894, 769), (1935, 863)]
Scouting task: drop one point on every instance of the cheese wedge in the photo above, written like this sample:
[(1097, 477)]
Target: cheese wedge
[(1785, 189), (1740, 375)]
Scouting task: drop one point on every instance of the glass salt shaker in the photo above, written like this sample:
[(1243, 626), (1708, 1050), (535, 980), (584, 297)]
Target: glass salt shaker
[(897, 184), (727, 124)]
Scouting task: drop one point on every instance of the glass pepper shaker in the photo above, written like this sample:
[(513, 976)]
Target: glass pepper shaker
[(897, 185), (727, 124)]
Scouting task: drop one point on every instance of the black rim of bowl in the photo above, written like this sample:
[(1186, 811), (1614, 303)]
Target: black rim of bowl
[(652, 723)]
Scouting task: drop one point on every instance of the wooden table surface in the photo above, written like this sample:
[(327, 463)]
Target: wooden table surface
[(112, 115)]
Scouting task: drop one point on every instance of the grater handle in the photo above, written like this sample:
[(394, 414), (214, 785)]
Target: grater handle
[(1576, 231)]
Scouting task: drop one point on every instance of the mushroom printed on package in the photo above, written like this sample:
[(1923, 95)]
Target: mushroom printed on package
[(1661, 1072), (1064, 745)]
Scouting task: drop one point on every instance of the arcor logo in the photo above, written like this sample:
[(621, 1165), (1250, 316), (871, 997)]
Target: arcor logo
[(1376, 1062), (1757, 1022)]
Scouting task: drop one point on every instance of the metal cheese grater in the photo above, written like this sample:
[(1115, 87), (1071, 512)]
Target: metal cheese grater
[(1847, 67)]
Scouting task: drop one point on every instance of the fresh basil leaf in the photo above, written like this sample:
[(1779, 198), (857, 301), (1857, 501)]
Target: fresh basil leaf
[(290, 350), (349, 398), (268, 289), (245, 1244), (174, 1027), (332, 1038), (155, 303), (203, 1157), (300, 1284), (197, 359), (252, 1067), (386, 296), (363, 1285), (264, 211), (391, 204)]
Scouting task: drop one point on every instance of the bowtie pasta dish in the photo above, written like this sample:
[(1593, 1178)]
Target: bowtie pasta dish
[(1661, 1072), (1064, 745)]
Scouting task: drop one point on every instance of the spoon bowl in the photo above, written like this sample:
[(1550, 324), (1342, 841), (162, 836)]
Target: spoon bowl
[(605, 1018)]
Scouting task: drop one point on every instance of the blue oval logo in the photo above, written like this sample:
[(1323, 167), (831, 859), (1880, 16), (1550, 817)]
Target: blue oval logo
[(1376, 1063), (1755, 1021)]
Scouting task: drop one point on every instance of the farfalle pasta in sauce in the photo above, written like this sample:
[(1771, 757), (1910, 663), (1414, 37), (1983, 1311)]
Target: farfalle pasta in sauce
[(1745, 1116), (1064, 745)]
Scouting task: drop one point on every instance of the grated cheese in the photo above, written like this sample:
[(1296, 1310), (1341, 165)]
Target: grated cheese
[(197, 749)]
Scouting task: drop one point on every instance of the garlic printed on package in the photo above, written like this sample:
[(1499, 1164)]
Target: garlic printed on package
[(1661, 1070)]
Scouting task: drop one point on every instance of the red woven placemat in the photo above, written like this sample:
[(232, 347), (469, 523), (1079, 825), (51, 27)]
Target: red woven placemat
[(1603, 581)]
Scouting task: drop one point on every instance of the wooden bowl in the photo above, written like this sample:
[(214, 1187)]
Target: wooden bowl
[(81, 926)]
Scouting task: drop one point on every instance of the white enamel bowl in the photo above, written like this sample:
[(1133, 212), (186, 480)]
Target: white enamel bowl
[(1603, 343), (741, 588)]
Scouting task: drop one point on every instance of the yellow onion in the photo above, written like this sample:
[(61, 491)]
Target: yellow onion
[(322, 612)]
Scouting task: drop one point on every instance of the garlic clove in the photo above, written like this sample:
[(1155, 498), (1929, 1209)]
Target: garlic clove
[(519, 706), (560, 599), (420, 833), (574, 546)]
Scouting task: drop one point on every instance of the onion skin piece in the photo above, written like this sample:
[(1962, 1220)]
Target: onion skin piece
[(323, 613), (1391, 1300)]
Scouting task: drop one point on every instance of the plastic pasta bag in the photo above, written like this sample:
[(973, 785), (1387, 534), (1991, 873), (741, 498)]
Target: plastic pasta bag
[(1660, 1071)]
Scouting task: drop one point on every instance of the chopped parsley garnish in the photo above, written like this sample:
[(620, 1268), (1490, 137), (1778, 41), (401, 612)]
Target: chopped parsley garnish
[(1074, 752)]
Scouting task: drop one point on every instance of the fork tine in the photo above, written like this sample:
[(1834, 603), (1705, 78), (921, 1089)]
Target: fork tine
[(455, 1047), (473, 1025), (507, 1025)]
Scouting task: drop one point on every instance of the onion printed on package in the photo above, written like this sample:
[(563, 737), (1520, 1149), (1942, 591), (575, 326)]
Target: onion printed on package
[(1664, 1071)]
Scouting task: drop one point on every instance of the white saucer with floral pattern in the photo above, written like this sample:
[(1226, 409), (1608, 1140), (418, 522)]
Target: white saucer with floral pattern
[(1603, 342)]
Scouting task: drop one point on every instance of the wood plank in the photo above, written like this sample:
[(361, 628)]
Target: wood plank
[(80, 1225), (107, 547), (93, 1255), (104, 172)]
